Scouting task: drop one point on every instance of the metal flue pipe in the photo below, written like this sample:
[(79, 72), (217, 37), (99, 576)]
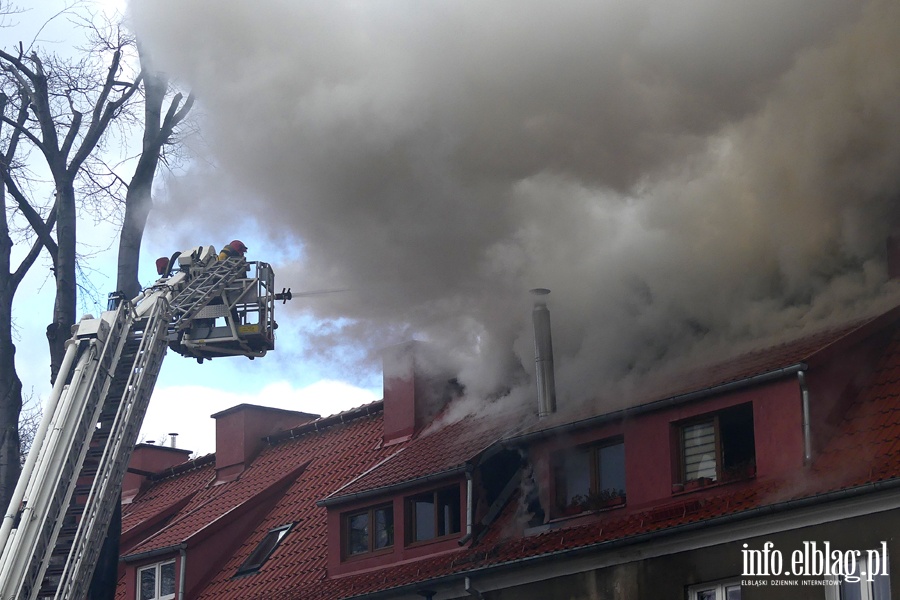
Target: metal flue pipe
[(543, 354)]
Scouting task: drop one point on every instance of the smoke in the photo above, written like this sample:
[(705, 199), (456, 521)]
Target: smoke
[(681, 177)]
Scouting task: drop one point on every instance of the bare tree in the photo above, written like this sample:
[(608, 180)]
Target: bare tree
[(65, 113), (10, 278)]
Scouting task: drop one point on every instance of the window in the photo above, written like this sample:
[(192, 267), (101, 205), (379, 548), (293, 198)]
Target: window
[(590, 478), (368, 530), (433, 514), (263, 550), (719, 447), (728, 590), (156, 582)]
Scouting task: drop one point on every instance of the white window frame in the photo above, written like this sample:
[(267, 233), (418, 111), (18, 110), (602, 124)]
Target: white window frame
[(157, 569), (718, 587), (866, 587)]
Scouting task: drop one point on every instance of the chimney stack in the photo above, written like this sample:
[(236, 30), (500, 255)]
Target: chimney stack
[(240, 433), (543, 354), (147, 459), (417, 386)]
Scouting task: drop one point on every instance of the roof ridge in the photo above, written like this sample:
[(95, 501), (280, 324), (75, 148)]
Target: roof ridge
[(188, 465), (322, 423)]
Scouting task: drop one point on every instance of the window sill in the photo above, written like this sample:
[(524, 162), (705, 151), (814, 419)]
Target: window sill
[(679, 489), (364, 555), (564, 515), (418, 544)]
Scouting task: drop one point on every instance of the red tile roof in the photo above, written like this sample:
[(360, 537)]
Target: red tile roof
[(442, 448), (332, 455), (336, 460)]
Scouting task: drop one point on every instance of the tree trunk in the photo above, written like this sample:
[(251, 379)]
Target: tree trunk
[(138, 200), (138, 203), (10, 385), (66, 286)]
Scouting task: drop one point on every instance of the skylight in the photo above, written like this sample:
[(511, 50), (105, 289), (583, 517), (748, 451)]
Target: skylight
[(263, 550)]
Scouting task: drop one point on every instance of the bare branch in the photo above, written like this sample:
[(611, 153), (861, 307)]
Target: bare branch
[(103, 113), (18, 64), (74, 127), (31, 215), (24, 131), (18, 130), (16, 278)]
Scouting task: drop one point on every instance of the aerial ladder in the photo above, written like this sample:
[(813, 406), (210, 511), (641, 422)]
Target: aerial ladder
[(61, 508)]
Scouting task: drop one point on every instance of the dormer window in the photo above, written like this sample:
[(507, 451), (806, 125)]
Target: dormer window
[(590, 477), (157, 582), (718, 447), (369, 530), (433, 514)]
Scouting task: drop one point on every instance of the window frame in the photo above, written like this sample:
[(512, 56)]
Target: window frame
[(682, 448), (723, 473), (258, 557), (157, 575), (410, 517), (719, 587), (370, 512), (593, 450), (866, 588)]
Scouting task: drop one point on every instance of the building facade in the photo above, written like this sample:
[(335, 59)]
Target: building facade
[(773, 474)]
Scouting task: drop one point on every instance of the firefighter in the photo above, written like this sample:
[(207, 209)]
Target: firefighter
[(234, 249)]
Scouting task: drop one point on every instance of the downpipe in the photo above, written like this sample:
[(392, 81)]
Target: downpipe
[(471, 590), (807, 433), (181, 574)]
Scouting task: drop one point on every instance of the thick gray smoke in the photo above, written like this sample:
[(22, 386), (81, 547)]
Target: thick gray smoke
[(681, 175)]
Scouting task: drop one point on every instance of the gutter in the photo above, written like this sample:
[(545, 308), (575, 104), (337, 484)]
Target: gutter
[(656, 405), (387, 489), (132, 558), (760, 511)]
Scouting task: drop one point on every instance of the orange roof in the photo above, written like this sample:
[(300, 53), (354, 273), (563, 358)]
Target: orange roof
[(338, 459)]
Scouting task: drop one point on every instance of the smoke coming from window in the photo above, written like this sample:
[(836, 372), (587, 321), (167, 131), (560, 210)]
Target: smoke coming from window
[(681, 175)]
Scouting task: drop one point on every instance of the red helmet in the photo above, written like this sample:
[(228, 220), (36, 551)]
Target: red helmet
[(238, 246)]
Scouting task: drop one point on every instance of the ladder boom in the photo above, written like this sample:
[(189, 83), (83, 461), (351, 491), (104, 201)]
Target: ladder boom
[(62, 505)]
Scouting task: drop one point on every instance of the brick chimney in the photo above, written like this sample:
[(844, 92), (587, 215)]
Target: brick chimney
[(416, 388), (240, 431), (146, 460)]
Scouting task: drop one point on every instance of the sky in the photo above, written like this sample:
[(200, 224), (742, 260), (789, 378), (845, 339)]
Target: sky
[(688, 179), (186, 393)]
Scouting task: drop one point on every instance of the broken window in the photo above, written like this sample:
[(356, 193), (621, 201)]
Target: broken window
[(718, 447), (590, 477), (368, 530), (433, 514)]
